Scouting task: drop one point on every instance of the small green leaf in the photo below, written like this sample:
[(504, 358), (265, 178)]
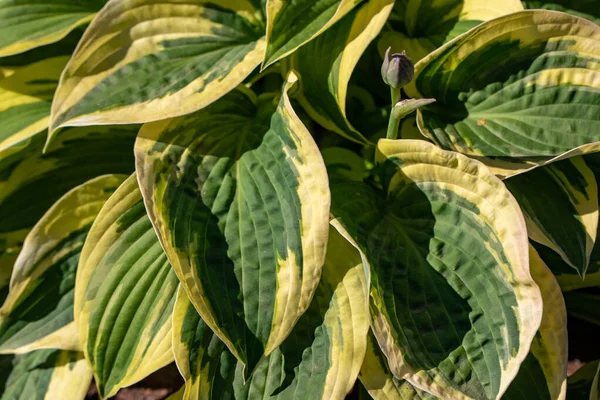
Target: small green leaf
[(239, 197), (124, 294), (38, 312)]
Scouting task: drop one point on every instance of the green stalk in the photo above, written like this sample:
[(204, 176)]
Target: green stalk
[(394, 122)]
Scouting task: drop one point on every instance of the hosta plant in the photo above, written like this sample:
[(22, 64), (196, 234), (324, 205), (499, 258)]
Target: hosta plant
[(299, 199)]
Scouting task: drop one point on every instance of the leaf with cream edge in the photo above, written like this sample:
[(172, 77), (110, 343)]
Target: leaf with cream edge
[(38, 312), (44, 375), (27, 24), (26, 173), (326, 63), (587, 9), (147, 60), (543, 374), (567, 224), (516, 91), (292, 24), (376, 377), (320, 359), (239, 197), (25, 100), (421, 26), (445, 240), (124, 294)]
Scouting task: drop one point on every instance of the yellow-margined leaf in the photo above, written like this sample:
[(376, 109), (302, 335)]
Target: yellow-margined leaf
[(543, 374), (44, 375), (290, 24), (38, 312), (516, 91), (124, 294), (560, 204), (239, 197), (326, 64), (444, 240), (26, 174), (376, 377), (421, 26), (27, 24), (147, 60), (320, 359)]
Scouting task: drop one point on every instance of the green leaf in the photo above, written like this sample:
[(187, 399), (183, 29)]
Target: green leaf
[(584, 384), (292, 24), (44, 375), (543, 374), (569, 222), (124, 294), (27, 24), (320, 359), (326, 64), (343, 163), (584, 306), (445, 240), (587, 9), (147, 60), (376, 377), (568, 278), (239, 197), (516, 91), (38, 312), (26, 173), (421, 26)]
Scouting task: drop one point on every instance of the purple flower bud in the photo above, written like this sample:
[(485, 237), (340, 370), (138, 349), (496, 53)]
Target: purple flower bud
[(397, 70)]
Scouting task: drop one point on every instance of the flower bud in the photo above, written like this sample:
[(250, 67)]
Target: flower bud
[(397, 70)]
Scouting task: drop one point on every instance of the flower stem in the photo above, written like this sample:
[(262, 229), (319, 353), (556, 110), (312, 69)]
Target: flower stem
[(394, 123)]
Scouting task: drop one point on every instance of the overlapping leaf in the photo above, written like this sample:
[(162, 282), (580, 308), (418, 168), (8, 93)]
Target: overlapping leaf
[(292, 24), (376, 377), (560, 203), (239, 197), (146, 60), (27, 24), (444, 242), (568, 278), (326, 64), (587, 9), (421, 26), (38, 312), (319, 360), (44, 375), (124, 294), (543, 374), (518, 90), (585, 383)]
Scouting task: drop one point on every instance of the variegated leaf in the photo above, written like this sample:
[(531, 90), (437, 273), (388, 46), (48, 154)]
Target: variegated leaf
[(326, 64), (560, 203), (543, 374), (445, 240), (320, 359), (147, 60), (587, 9), (26, 173), (38, 312), (124, 294), (568, 278), (290, 24), (376, 377), (27, 24), (585, 383), (516, 91), (421, 26), (238, 195), (44, 375)]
